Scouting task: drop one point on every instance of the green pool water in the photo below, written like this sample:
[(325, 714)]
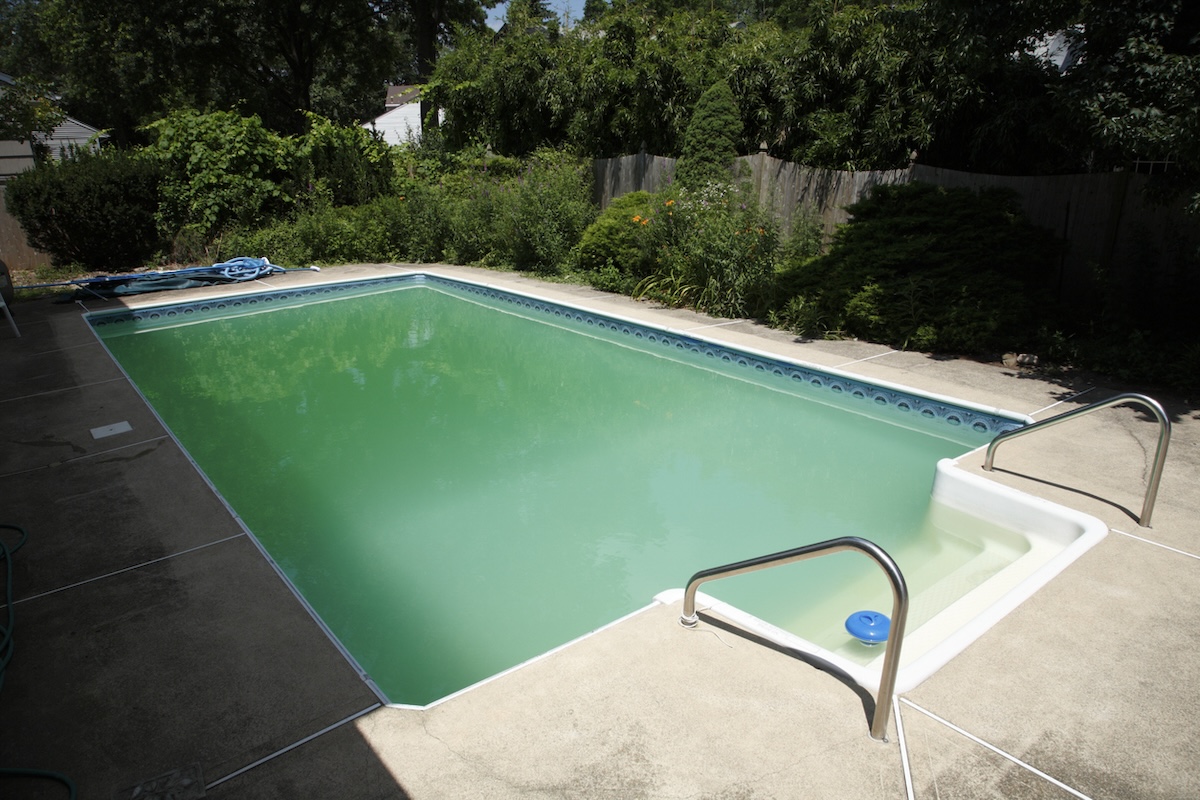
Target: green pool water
[(455, 486)]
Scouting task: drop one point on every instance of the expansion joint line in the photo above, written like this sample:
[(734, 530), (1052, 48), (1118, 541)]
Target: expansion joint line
[(851, 363), (1156, 544), (1070, 399), (294, 745), (997, 750), (128, 569), (903, 743)]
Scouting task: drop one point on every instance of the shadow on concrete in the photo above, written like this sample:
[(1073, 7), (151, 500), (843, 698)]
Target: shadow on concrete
[(864, 696)]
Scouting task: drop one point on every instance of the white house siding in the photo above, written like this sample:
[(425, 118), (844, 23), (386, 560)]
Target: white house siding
[(399, 125)]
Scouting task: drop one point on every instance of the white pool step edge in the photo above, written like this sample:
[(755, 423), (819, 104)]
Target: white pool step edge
[(1058, 536)]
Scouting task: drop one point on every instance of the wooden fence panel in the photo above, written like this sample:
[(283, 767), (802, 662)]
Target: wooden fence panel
[(791, 189), (1112, 229), (624, 174), (15, 252)]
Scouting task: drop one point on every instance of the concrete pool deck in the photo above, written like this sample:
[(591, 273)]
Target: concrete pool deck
[(155, 647)]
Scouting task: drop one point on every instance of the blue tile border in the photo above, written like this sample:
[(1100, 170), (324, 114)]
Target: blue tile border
[(978, 422)]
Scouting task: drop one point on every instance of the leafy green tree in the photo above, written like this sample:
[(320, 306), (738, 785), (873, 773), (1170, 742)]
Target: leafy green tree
[(331, 57), (220, 169), (119, 65), (26, 110), (594, 10), (710, 144), (430, 25), (631, 88), (1136, 86), (852, 89), (636, 85), (504, 93)]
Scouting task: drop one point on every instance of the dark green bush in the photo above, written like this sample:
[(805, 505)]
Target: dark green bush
[(620, 247), (221, 169), (351, 163), (94, 210), (526, 215), (927, 268), (475, 206), (552, 208), (428, 224), (377, 231), (710, 144)]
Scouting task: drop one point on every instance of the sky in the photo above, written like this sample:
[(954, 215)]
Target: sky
[(570, 8)]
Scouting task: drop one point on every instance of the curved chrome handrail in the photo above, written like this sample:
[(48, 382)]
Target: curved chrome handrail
[(1160, 455), (891, 661)]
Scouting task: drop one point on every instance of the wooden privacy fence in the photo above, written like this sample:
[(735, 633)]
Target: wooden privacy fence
[(15, 252), (1111, 227), (788, 189)]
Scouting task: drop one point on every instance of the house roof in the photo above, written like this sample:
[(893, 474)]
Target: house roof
[(401, 95)]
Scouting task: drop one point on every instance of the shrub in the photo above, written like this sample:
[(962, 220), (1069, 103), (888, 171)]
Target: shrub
[(620, 248), (353, 165), (220, 169), (427, 221), (373, 232), (710, 144), (96, 210), (717, 252), (476, 206), (552, 207), (927, 267), (527, 215)]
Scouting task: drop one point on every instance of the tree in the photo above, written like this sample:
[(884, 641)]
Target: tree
[(630, 89), (710, 144), (496, 90), (854, 91), (594, 10), (432, 23), (119, 65), (1136, 87), (26, 110), (999, 111)]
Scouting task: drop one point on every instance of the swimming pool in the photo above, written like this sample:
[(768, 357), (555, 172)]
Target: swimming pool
[(457, 478)]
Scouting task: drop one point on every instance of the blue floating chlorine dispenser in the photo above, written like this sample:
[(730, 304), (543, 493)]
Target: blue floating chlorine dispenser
[(869, 627)]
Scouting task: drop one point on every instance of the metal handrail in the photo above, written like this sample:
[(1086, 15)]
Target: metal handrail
[(891, 661), (1160, 455)]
